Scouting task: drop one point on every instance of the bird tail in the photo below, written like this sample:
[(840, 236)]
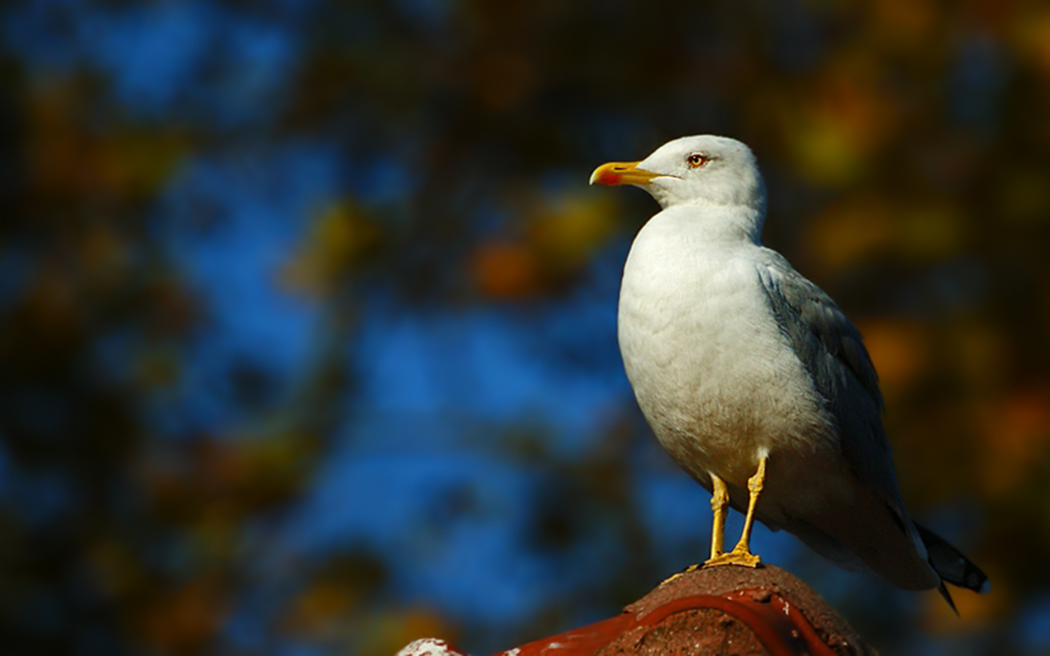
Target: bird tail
[(951, 565)]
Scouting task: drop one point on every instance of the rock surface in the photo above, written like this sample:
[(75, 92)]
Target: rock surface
[(721, 611)]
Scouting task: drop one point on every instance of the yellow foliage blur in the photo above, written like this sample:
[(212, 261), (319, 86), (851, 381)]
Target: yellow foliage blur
[(560, 234), (850, 234), (320, 608), (339, 239), (122, 162), (834, 128), (979, 354), (1031, 34), (904, 24), (847, 235), (387, 632), (931, 230), (909, 137), (569, 229)]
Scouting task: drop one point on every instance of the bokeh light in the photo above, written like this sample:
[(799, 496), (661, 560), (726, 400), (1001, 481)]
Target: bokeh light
[(308, 314)]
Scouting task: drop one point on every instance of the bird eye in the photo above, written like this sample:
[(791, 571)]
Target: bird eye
[(696, 160)]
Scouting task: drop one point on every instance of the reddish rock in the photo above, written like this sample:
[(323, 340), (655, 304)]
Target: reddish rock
[(719, 611)]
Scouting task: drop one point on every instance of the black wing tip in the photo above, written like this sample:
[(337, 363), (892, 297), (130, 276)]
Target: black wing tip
[(947, 597), (975, 580), (963, 574), (951, 565)]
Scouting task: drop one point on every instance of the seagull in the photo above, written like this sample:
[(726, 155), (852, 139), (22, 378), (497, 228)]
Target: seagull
[(754, 380)]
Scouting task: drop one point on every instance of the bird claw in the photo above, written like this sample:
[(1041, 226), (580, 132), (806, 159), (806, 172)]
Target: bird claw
[(739, 556)]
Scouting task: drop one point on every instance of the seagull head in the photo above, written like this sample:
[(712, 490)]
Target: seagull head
[(700, 170)]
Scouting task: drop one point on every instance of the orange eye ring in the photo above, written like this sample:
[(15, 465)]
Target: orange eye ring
[(696, 160)]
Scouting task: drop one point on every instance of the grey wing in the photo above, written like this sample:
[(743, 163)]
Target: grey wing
[(833, 353)]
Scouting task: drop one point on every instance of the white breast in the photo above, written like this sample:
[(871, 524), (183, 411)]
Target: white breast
[(714, 376)]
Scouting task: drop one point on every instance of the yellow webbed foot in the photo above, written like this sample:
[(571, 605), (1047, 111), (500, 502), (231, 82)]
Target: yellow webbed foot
[(742, 557)]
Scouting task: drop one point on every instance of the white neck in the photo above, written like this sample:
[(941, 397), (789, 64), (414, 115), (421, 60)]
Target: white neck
[(705, 223)]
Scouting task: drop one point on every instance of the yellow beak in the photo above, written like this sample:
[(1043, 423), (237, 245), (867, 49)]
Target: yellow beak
[(621, 173)]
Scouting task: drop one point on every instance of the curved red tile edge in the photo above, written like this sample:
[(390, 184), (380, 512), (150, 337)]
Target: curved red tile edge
[(781, 628)]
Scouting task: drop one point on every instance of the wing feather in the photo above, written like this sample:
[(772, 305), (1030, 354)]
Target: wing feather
[(833, 352)]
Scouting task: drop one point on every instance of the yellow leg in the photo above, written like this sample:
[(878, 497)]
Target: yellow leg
[(741, 553), (754, 488), (720, 508)]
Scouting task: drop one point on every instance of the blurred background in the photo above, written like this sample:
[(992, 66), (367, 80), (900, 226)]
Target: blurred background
[(307, 313)]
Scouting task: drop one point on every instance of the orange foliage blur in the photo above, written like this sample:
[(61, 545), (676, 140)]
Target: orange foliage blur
[(904, 141), (1016, 441)]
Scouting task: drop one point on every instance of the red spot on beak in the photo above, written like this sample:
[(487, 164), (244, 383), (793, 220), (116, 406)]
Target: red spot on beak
[(621, 173)]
